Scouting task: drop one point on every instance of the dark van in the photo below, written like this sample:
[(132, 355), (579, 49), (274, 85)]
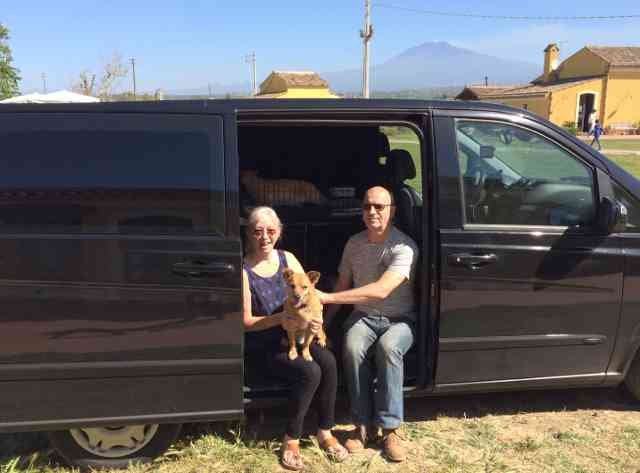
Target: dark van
[(121, 237)]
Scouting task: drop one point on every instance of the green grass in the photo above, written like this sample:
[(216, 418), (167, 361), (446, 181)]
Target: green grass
[(631, 163), (631, 145)]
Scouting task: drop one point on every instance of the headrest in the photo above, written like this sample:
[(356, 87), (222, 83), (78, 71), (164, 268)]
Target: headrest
[(382, 144), (400, 165)]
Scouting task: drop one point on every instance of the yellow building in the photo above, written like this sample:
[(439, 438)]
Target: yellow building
[(295, 85), (596, 82)]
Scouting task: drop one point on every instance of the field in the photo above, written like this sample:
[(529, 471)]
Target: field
[(520, 161)]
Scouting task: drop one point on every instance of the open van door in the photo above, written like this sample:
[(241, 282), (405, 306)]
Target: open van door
[(120, 278)]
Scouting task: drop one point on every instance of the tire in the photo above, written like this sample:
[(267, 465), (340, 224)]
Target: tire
[(113, 447), (632, 380)]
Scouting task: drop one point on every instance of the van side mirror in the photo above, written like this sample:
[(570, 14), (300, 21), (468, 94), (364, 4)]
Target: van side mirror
[(487, 151), (612, 216)]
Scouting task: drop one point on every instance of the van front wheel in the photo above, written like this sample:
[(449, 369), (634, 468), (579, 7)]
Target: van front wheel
[(114, 447)]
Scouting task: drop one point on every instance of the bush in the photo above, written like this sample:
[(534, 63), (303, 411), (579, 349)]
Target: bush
[(570, 127)]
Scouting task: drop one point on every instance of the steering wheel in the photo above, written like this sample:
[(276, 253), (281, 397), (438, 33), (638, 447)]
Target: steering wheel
[(475, 191), (506, 136)]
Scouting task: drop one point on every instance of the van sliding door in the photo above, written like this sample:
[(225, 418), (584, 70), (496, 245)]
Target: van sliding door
[(119, 286)]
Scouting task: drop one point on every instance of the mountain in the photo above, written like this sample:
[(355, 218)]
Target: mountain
[(435, 64), (419, 71)]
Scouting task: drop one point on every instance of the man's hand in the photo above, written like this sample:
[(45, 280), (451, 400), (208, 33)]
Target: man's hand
[(323, 296)]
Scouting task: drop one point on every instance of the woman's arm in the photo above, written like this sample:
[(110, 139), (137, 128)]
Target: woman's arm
[(293, 262), (251, 322)]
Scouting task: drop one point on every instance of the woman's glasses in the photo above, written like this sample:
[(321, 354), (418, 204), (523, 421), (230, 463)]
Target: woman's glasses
[(257, 232), (378, 207)]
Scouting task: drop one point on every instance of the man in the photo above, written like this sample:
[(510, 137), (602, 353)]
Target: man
[(375, 275)]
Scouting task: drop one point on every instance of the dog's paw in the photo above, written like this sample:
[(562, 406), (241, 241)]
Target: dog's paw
[(307, 355), (322, 343), (293, 354)]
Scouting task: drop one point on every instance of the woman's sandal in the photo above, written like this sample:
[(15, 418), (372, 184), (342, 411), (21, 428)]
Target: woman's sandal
[(290, 457), (334, 449)]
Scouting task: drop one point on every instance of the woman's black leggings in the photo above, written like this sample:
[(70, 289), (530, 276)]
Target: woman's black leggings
[(307, 378)]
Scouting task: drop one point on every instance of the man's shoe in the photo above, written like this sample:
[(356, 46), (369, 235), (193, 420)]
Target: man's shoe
[(392, 446), (357, 439)]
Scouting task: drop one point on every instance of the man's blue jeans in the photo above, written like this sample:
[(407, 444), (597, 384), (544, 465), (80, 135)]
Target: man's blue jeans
[(375, 340)]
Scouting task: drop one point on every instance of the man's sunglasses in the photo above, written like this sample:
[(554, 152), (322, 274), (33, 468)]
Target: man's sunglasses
[(377, 207)]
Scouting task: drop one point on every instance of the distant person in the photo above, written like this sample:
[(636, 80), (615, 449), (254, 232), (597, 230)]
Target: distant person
[(596, 131)]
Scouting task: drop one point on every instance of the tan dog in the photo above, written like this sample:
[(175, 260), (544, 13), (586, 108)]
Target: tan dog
[(303, 302)]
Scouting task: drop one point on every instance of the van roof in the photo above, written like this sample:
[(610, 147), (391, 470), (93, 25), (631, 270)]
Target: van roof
[(252, 105)]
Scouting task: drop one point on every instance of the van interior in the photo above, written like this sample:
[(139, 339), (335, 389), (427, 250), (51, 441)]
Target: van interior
[(315, 175)]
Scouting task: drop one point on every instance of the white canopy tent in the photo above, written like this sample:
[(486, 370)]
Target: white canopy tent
[(61, 96)]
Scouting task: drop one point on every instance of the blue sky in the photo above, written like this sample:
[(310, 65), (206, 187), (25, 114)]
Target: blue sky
[(181, 45)]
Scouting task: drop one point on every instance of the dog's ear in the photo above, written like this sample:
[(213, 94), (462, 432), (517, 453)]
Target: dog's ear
[(288, 274), (313, 277)]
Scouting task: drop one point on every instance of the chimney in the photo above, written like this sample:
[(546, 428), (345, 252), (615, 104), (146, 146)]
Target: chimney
[(551, 54)]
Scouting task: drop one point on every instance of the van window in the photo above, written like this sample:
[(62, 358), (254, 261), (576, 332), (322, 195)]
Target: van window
[(109, 180), (403, 137), (512, 176)]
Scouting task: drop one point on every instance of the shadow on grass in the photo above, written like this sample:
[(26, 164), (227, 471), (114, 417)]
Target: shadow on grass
[(267, 425), (519, 402)]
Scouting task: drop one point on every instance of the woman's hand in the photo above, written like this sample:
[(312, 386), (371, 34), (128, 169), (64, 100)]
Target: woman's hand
[(315, 326), (289, 322)]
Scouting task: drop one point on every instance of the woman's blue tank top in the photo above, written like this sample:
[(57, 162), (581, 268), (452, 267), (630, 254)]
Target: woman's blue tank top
[(267, 298)]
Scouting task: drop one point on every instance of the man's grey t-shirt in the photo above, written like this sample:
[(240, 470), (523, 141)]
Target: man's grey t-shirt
[(364, 262)]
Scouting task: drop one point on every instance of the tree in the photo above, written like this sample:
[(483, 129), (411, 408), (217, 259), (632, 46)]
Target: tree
[(111, 73), (9, 77)]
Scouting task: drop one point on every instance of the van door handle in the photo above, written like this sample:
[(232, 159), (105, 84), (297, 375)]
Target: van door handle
[(472, 260), (197, 269)]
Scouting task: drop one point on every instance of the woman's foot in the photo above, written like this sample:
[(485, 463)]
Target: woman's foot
[(331, 447), (290, 457)]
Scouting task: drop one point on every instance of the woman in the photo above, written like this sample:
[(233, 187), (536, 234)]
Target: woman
[(263, 296)]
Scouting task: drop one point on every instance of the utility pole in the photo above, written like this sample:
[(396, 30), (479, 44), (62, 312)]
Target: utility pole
[(44, 83), (251, 59), (366, 35), (133, 70)]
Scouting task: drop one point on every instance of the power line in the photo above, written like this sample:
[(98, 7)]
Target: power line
[(504, 17)]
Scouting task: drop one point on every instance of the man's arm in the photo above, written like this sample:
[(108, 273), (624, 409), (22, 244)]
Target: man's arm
[(342, 284), (376, 291)]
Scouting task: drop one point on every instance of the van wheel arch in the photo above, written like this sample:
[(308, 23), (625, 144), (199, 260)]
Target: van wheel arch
[(99, 447)]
